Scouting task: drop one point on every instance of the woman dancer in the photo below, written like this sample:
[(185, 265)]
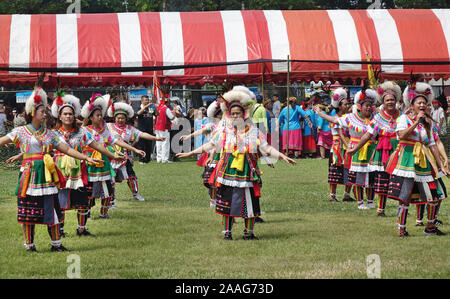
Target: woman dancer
[(208, 159), (122, 112), (383, 127), (357, 124), (37, 192), (237, 175), (337, 173), (100, 176), (412, 180), (73, 195), (420, 208)]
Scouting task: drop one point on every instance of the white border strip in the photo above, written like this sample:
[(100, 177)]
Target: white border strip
[(130, 41), (279, 40), (19, 43), (67, 42), (347, 40), (235, 41), (172, 42), (388, 39)]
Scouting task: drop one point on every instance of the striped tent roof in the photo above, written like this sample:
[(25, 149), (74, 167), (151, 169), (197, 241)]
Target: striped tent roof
[(204, 47)]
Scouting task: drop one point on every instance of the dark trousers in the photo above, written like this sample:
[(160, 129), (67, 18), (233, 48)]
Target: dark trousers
[(172, 153), (147, 146)]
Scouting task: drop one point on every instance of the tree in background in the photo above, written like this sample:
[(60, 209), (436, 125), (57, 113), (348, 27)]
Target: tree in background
[(105, 6)]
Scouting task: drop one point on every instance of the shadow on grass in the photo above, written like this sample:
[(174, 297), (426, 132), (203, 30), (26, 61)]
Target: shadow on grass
[(269, 221)]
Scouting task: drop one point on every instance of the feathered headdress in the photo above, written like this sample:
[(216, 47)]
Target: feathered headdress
[(120, 108), (97, 101), (366, 94), (415, 90), (389, 87), (213, 108), (38, 97), (238, 96), (65, 100), (337, 96)]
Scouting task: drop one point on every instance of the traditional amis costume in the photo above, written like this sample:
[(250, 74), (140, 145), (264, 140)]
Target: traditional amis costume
[(237, 175), (412, 179), (337, 173), (73, 195), (128, 134), (382, 128), (100, 176), (212, 112), (37, 191), (420, 208), (358, 164)]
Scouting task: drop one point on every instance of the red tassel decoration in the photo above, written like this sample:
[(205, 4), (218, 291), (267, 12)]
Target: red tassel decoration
[(37, 99)]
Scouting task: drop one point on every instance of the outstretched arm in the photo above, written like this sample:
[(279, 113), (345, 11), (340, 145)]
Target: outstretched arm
[(148, 136), (130, 148), (64, 148), (204, 148), (366, 137), (14, 158), (271, 151), (443, 154), (435, 151), (194, 134), (327, 117), (98, 147), (5, 140)]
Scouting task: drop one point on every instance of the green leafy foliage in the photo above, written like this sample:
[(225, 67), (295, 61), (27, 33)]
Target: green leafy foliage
[(105, 6)]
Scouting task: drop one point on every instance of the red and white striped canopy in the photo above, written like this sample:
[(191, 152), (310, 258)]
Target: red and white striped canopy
[(235, 45)]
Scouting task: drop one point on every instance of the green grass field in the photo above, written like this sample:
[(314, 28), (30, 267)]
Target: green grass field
[(175, 234)]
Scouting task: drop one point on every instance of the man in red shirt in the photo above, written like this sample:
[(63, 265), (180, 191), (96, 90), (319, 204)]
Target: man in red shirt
[(162, 129)]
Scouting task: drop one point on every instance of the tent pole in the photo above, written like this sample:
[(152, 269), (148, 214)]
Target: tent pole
[(262, 80), (287, 107)]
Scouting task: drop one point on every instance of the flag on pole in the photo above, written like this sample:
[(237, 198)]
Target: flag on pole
[(371, 74), (156, 88)]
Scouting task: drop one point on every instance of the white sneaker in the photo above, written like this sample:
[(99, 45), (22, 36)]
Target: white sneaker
[(371, 206), (138, 197), (363, 207)]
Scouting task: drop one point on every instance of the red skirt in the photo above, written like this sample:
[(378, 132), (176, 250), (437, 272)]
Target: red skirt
[(309, 144), (325, 139)]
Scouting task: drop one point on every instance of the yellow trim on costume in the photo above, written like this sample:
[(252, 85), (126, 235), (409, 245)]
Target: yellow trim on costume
[(238, 161)]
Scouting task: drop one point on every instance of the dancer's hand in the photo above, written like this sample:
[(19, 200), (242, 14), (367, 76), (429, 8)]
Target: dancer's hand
[(94, 160), (184, 137), (317, 109), (288, 160), (141, 153), (14, 158), (182, 155), (350, 150), (120, 157), (160, 138), (446, 171)]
